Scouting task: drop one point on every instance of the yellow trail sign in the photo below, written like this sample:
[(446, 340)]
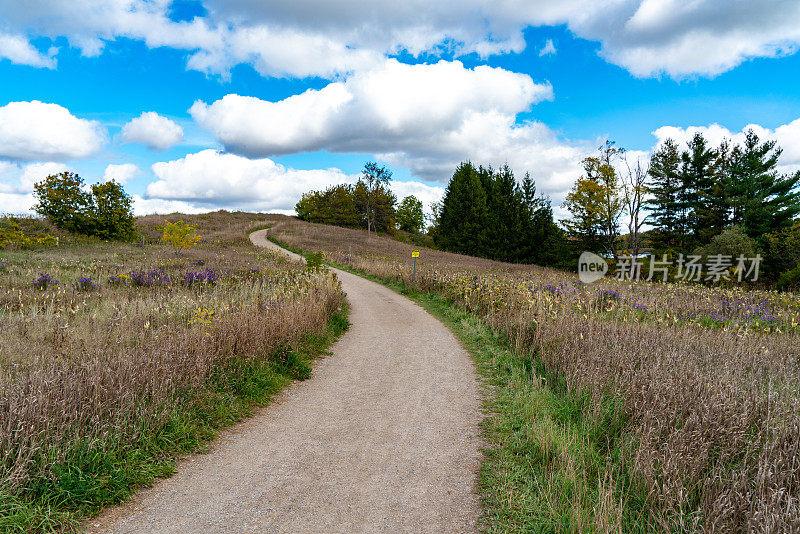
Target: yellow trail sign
[(415, 253)]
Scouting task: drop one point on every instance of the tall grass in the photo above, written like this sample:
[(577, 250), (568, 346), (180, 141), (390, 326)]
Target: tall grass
[(689, 392), (103, 382)]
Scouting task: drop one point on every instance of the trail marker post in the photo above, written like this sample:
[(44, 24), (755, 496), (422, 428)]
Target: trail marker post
[(415, 255)]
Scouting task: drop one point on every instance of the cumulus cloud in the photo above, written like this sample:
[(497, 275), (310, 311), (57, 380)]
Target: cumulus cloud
[(153, 130), (427, 194), (39, 131), (395, 105), (148, 206), (427, 118), (212, 178), (121, 173), (328, 38)]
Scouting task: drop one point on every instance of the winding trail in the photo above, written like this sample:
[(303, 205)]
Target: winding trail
[(382, 438)]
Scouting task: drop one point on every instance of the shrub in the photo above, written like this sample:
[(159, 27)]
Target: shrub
[(314, 262), (731, 242), (180, 235), (11, 234), (106, 212)]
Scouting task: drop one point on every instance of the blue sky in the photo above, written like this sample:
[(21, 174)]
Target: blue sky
[(420, 87)]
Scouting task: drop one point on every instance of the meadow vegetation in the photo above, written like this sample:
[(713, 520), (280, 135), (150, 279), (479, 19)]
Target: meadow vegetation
[(118, 357), (618, 406)]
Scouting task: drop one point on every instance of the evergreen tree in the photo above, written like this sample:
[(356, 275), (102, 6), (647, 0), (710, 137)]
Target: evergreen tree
[(504, 216), (762, 200), (463, 216), (697, 181), (665, 188)]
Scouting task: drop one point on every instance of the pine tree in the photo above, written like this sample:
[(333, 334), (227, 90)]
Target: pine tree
[(664, 204), (697, 181), (763, 201), (504, 221), (463, 217)]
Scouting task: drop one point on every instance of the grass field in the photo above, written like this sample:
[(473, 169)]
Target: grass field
[(618, 406), (117, 358)]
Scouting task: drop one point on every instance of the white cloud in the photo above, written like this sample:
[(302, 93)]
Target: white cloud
[(211, 178), (330, 38), (153, 130), (18, 50), (548, 49), (38, 131), (16, 203), (394, 105), (427, 118), (121, 173), (147, 206)]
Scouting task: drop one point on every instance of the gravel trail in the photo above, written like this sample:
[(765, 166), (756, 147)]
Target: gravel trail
[(382, 438)]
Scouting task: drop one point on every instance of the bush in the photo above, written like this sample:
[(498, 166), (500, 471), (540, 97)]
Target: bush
[(731, 242), (11, 234), (790, 280), (106, 212), (180, 235)]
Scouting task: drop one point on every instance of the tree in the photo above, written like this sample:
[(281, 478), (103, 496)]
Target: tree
[(180, 235), (504, 216), (762, 200), (584, 202), (543, 242), (410, 216), (106, 211), (62, 199), (336, 205), (113, 211), (376, 181), (464, 213), (698, 179), (665, 189), (634, 188), (595, 201)]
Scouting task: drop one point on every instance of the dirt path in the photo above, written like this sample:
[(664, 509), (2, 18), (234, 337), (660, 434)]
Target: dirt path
[(383, 438)]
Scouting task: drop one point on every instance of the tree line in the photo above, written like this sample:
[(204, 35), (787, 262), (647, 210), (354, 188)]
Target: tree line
[(693, 199), (369, 204)]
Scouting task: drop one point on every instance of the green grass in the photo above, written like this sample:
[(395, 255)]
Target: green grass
[(556, 459), (94, 475)]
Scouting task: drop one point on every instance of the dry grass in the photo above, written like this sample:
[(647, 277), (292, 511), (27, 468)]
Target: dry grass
[(708, 377), (82, 369)]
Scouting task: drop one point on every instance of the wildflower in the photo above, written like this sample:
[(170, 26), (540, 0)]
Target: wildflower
[(85, 284), (44, 281), (117, 280)]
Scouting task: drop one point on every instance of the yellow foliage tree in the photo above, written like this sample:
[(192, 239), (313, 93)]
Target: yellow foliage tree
[(180, 235)]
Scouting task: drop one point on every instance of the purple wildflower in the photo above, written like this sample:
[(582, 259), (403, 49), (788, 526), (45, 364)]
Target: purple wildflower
[(85, 284), (44, 281)]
